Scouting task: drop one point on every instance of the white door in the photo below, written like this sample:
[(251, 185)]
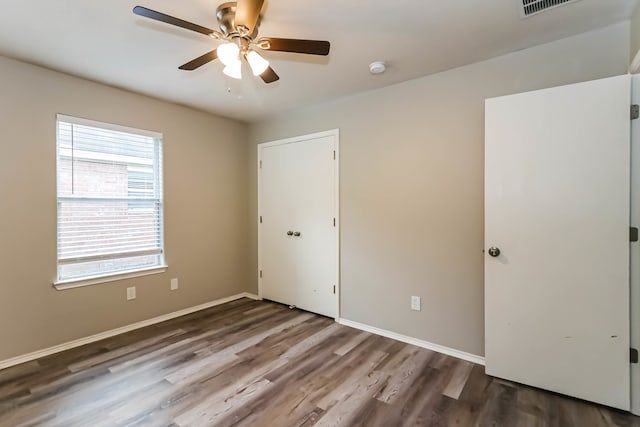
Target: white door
[(557, 173), (298, 230)]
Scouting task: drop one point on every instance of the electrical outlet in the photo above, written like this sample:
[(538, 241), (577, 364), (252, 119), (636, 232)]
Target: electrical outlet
[(174, 284), (415, 303), (131, 293)]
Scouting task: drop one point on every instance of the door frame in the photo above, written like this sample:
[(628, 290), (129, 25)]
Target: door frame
[(634, 250), (335, 133)]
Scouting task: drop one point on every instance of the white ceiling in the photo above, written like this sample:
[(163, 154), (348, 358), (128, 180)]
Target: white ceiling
[(103, 40)]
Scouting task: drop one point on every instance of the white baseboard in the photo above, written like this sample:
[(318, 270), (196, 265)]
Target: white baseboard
[(113, 332), (250, 296), (414, 341)]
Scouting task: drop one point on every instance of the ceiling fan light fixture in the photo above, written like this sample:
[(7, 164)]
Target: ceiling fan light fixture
[(234, 69), (228, 53), (257, 63)]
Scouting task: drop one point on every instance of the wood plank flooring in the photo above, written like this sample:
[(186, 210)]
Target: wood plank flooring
[(255, 363)]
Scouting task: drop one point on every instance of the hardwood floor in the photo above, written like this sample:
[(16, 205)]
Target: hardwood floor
[(255, 363)]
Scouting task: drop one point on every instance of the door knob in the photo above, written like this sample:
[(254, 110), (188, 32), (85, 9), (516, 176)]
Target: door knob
[(494, 252), (289, 233), (297, 234)]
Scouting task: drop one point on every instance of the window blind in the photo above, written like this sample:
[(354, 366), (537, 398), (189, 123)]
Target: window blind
[(110, 209)]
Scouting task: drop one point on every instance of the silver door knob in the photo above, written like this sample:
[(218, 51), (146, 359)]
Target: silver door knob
[(297, 234), (494, 252), (289, 233)]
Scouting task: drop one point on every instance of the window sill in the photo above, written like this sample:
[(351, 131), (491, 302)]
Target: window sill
[(112, 277)]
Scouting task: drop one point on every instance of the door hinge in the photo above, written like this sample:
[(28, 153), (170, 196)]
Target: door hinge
[(635, 111), (633, 234), (261, 274), (633, 355), (334, 222), (334, 289), (260, 164), (260, 219)]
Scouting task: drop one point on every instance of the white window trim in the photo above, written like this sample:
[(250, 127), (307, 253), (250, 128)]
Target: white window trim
[(106, 278), (105, 125), (113, 276)]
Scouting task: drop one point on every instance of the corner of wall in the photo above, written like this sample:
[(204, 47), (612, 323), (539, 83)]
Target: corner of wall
[(252, 203)]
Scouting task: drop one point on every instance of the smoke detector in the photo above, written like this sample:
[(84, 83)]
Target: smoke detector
[(377, 67), (533, 7)]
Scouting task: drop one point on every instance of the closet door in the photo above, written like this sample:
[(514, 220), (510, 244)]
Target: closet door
[(557, 177), (278, 204), (298, 232)]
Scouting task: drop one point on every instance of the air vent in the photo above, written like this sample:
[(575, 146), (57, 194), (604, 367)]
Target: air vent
[(533, 7)]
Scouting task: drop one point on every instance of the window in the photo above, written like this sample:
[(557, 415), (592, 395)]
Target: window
[(109, 200)]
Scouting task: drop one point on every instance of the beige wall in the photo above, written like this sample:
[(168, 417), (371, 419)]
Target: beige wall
[(411, 202), (635, 33), (206, 209)]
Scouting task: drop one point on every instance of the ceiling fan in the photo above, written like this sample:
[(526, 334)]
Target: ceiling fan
[(239, 22)]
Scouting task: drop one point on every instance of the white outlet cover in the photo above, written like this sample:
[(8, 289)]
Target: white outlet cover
[(415, 303), (131, 293), (174, 284)]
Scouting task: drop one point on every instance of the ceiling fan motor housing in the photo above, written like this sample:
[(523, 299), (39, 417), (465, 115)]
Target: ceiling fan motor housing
[(226, 14)]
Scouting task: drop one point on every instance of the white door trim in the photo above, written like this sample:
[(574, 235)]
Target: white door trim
[(634, 247), (336, 134)]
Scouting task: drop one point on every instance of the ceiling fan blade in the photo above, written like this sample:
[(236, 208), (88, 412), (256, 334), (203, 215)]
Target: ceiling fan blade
[(159, 16), (200, 61), (247, 14), (311, 47), (269, 76)]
